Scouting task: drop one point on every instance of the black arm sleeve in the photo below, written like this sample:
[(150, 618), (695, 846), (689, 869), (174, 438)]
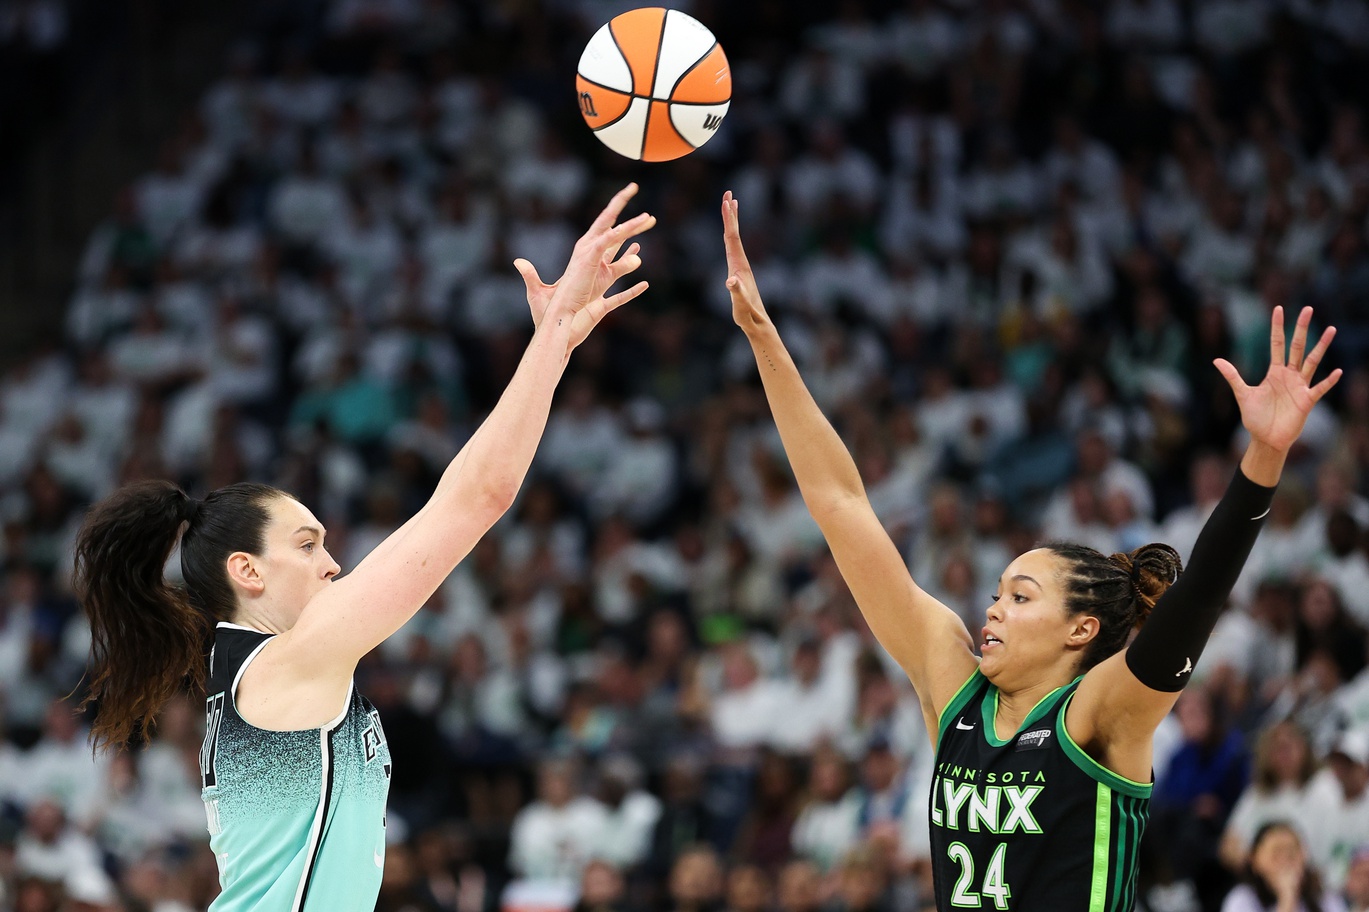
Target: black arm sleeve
[(1164, 652)]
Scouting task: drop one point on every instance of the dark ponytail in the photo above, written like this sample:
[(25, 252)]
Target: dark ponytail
[(148, 637), (1120, 590)]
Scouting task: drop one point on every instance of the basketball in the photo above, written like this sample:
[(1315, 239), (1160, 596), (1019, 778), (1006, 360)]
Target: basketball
[(653, 84)]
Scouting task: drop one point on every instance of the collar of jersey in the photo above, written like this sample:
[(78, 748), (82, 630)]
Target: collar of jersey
[(1043, 705)]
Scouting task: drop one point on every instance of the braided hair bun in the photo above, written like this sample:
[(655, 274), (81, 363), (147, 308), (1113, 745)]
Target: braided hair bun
[(1153, 568)]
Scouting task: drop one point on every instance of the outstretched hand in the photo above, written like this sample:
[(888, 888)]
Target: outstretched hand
[(594, 266), (747, 308), (1275, 411)]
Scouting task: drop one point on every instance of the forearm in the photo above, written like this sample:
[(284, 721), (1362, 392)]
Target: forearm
[(1172, 639), (822, 465), (496, 458)]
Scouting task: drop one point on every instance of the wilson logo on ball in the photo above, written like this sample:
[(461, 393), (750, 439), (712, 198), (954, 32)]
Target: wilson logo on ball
[(653, 84)]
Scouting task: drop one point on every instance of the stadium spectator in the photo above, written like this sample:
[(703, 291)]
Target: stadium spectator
[(1338, 800)]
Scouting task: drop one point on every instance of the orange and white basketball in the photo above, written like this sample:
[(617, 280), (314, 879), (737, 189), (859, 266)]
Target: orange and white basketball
[(654, 84)]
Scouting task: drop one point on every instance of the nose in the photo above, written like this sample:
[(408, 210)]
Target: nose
[(993, 612), (333, 568)]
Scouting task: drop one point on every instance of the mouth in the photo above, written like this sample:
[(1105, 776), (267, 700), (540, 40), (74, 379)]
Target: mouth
[(988, 640)]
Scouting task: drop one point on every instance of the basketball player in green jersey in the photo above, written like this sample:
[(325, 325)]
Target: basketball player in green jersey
[(295, 766), (1043, 740)]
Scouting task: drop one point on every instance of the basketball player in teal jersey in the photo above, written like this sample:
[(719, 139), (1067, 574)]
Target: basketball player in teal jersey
[(1043, 740), (295, 766)]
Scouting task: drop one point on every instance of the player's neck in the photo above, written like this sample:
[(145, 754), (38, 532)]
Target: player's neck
[(1015, 706), (257, 620)]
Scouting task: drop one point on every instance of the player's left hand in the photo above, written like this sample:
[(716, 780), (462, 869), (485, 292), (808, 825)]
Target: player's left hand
[(747, 308), (594, 266), (1275, 411)]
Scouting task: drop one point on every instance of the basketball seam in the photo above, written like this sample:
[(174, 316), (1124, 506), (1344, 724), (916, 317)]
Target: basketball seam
[(632, 77), (670, 112), (656, 65), (655, 72), (607, 88), (689, 69), (626, 112), (670, 125), (700, 104), (630, 99)]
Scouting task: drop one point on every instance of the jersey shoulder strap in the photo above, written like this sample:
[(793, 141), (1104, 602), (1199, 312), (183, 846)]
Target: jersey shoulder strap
[(974, 687), (234, 646)]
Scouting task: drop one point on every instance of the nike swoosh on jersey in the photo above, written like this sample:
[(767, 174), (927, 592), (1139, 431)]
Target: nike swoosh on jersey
[(1262, 515), (960, 724)]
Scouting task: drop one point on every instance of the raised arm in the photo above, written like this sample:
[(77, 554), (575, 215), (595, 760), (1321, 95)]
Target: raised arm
[(1122, 700), (925, 637), (356, 613)]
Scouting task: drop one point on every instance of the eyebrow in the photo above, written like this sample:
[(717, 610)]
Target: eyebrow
[(314, 530), (1023, 576)]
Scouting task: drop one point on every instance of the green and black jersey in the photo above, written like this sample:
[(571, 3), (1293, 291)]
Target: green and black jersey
[(1030, 823)]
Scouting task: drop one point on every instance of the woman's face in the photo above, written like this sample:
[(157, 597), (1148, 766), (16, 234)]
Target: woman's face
[(1277, 855), (1026, 629), (1318, 607), (294, 562), (1287, 754)]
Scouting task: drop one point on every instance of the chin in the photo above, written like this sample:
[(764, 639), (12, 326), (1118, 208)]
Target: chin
[(994, 668)]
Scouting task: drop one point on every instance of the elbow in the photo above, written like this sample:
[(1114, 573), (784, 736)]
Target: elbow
[(834, 503), (494, 499)]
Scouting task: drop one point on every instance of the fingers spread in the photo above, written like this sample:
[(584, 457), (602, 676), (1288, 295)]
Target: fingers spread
[(613, 209), (1324, 387), (613, 302), (625, 264), (1299, 339), (614, 237), (528, 272), (612, 253), (1277, 348), (1309, 367), (1232, 376)]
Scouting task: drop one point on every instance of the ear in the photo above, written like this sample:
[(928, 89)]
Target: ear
[(1082, 631), (242, 573)]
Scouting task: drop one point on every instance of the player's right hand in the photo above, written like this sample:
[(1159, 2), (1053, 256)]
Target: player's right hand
[(594, 266)]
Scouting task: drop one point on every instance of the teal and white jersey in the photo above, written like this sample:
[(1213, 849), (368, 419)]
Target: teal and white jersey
[(296, 818)]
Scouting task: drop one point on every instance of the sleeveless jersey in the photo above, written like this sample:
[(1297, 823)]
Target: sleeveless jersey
[(296, 818), (1033, 822)]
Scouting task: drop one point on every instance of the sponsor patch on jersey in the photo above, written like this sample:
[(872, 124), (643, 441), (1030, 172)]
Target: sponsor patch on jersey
[(1033, 740)]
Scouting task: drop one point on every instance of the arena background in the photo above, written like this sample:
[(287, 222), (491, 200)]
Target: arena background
[(1005, 239)]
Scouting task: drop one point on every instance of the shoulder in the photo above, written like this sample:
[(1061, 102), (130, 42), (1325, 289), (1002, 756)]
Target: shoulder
[(974, 687), (232, 646)]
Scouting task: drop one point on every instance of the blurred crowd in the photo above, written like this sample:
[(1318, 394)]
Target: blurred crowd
[(33, 69), (1004, 239)]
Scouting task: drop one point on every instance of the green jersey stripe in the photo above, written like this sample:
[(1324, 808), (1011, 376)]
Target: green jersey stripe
[(1102, 838), (1092, 767), (1123, 843), (1140, 813)]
